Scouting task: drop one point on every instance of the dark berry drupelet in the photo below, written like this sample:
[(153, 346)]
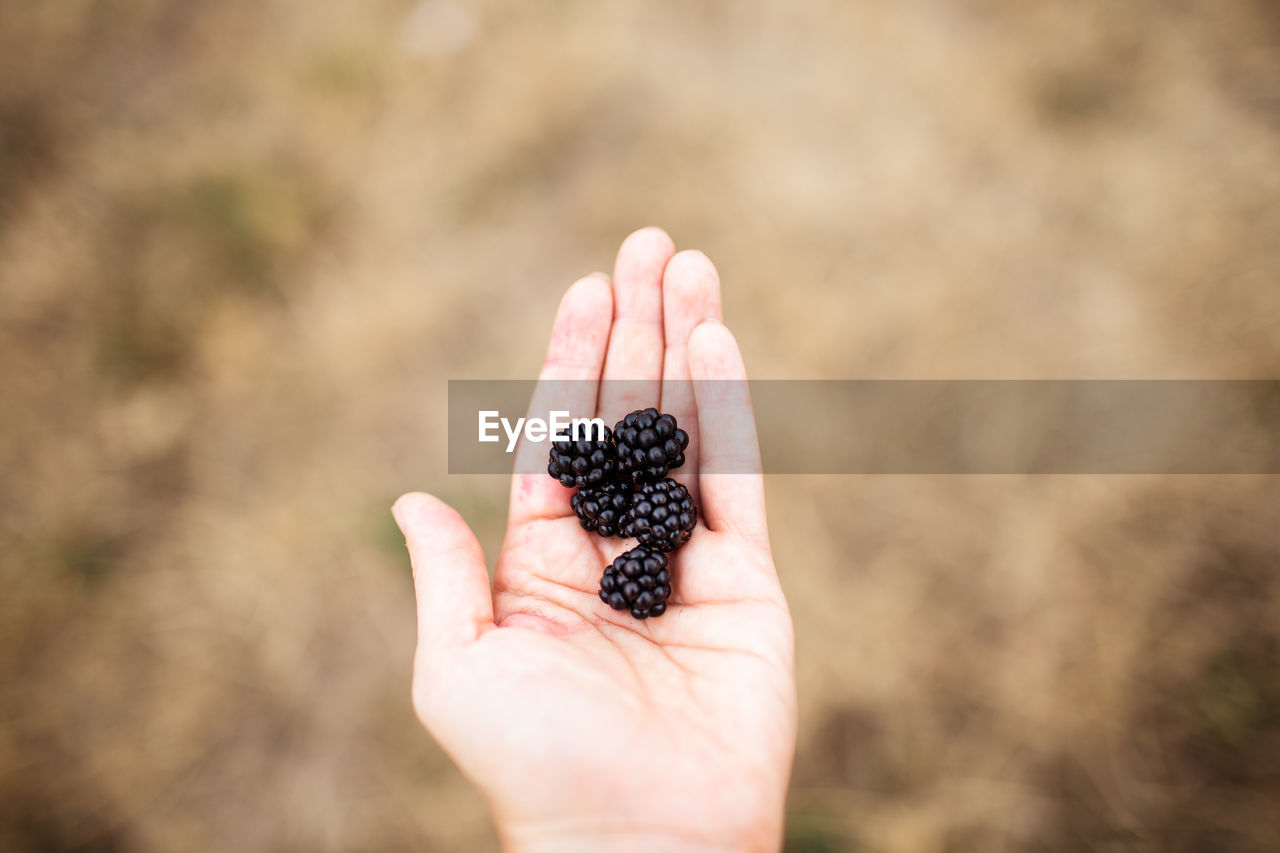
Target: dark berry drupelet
[(649, 445), (602, 508), (585, 462), (638, 580), (662, 515)]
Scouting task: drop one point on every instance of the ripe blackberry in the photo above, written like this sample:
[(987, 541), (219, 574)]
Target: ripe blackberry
[(585, 462), (638, 580), (649, 445), (601, 508), (662, 515)]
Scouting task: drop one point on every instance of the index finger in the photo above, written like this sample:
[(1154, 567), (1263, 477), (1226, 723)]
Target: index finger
[(568, 382)]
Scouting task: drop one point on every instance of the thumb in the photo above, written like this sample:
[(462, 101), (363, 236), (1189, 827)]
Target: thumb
[(455, 603)]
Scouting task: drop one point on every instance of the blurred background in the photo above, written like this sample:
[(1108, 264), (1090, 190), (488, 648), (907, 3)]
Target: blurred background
[(243, 245)]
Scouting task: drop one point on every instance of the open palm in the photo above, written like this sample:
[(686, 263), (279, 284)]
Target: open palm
[(585, 728)]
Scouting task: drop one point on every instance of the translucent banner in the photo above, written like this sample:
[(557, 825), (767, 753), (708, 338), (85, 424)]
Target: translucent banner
[(900, 426)]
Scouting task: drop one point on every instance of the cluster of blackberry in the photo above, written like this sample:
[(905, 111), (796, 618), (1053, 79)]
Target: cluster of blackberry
[(624, 490)]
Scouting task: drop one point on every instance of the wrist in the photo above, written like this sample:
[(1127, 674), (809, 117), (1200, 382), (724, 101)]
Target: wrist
[(549, 839), (737, 819)]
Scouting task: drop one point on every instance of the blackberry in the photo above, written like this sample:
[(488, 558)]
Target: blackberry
[(649, 445), (638, 580), (662, 515), (601, 508), (585, 462)]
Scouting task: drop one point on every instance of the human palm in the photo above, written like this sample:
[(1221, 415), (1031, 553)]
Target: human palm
[(586, 728)]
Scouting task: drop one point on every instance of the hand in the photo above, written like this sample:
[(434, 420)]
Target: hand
[(587, 729)]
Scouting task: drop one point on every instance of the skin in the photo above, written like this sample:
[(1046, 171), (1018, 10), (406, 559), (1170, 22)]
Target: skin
[(584, 728)]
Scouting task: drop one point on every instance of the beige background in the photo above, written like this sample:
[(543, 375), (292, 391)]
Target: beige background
[(244, 244)]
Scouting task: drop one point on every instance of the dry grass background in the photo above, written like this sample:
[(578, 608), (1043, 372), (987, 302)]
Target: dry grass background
[(243, 245)]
